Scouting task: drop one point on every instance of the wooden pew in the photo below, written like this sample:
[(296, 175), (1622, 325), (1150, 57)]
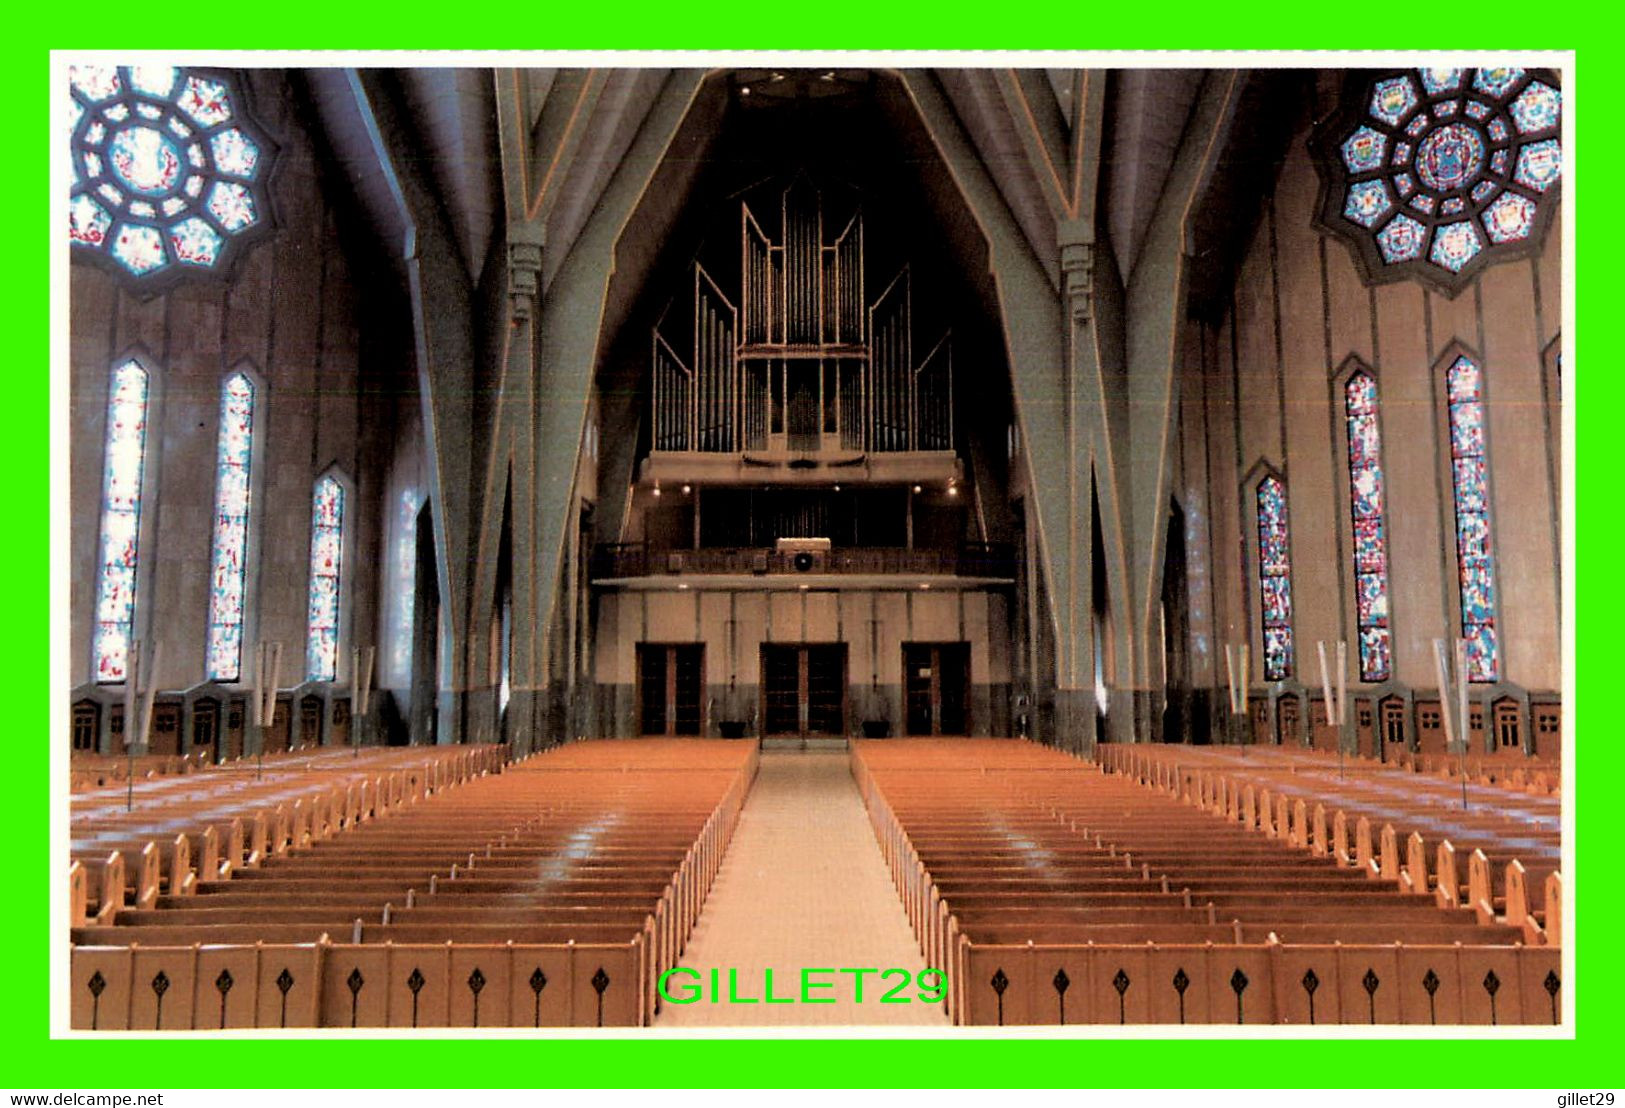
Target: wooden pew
[(562, 853), (986, 852)]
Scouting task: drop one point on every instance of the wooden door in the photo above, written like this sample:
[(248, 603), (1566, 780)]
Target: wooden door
[(1429, 727), (310, 720), (87, 718), (341, 722), (1365, 731), (165, 734), (206, 727), (1548, 730), (236, 715), (1508, 725), (277, 735), (1286, 721), (1391, 715), (1322, 734), (781, 690), (936, 688)]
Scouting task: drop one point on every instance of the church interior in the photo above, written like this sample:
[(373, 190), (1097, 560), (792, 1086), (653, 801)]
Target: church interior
[(1089, 541)]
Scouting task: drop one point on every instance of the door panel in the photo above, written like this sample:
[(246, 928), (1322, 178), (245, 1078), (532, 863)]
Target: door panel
[(918, 677), (781, 690), (652, 690), (670, 687), (826, 689), (1286, 721), (936, 680), (686, 679)]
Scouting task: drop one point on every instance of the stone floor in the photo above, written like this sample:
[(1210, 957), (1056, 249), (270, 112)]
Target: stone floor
[(803, 885)]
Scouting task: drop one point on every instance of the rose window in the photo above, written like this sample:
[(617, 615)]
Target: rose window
[(1435, 173), (168, 171)]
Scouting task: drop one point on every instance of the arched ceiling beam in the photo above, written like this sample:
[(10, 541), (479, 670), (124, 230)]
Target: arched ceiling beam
[(443, 329), (1156, 309)]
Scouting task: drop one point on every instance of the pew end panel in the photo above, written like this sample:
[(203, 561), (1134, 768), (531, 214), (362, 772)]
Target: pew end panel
[(539, 992), (163, 988), (1554, 909), (147, 876), (604, 984), (100, 992), (112, 890), (182, 881), (78, 895)]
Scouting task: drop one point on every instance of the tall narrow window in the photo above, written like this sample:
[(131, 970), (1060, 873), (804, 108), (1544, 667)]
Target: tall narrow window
[(326, 552), (1370, 542), (1275, 579), (121, 520), (228, 568), (1464, 382)]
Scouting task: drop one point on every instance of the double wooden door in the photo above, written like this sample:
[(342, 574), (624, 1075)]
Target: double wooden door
[(803, 689)]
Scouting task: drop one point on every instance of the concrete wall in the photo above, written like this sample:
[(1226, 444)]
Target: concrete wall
[(1263, 386), (734, 623), (291, 313)]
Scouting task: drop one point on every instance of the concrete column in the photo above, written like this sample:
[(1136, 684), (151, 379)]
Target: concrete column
[(526, 242), (1075, 660)]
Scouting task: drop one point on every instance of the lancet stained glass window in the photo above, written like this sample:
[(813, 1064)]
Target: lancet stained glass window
[(228, 568), (1275, 578), (1464, 382), (1370, 540), (167, 169), (1435, 172), (122, 474), (326, 553)]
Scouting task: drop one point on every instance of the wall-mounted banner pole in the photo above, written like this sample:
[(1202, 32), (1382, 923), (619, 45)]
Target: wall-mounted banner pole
[(361, 668), (1461, 714), (1336, 696), (132, 671)]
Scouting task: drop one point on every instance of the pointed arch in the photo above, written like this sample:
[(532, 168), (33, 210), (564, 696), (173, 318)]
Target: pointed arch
[(241, 395), (329, 528), (1368, 521), (125, 479), (1463, 370), (1269, 495)]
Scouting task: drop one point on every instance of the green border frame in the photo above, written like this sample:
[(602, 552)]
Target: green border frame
[(35, 1060)]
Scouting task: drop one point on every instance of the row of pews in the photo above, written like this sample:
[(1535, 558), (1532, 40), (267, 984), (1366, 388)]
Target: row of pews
[(549, 894), (130, 842), (1473, 845), (1055, 893), (1507, 769), (98, 771)]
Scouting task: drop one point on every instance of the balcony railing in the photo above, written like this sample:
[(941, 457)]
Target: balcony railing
[(973, 559)]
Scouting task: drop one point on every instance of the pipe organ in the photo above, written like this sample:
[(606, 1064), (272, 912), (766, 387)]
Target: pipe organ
[(800, 361)]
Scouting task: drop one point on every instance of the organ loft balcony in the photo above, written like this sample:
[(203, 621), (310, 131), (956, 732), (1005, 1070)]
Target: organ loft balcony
[(804, 563), (798, 434), (787, 536)]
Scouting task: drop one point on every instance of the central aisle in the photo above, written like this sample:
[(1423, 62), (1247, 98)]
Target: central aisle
[(803, 885)]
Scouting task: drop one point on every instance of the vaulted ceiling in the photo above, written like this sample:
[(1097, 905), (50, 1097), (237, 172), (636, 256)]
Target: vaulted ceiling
[(580, 123)]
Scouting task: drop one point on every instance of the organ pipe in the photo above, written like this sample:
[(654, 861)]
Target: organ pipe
[(803, 355)]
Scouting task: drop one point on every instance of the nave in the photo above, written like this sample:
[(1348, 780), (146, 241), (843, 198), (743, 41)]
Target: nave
[(447, 887)]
